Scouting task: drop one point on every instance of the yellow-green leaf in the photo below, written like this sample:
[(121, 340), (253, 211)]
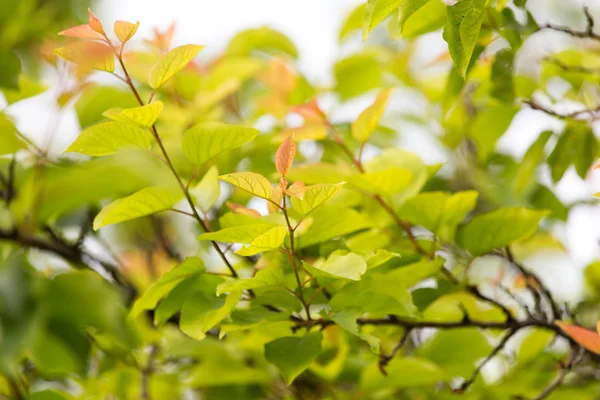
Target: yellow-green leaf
[(314, 196), (145, 202), (251, 182), (292, 354), (144, 116), (171, 63), (207, 140), (110, 137), (349, 266), (10, 142), (386, 182), (265, 277), (125, 30), (208, 190), (367, 121), (237, 234), (270, 240)]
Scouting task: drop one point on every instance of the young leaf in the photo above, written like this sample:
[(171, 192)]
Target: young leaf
[(110, 137), (144, 116), (499, 228), (191, 267), (251, 182), (588, 339), (297, 189), (276, 197), (88, 55), (125, 30), (268, 241), (208, 190), (377, 11), (238, 234), (350, 266), (82, 32), (462, 30), (292, 354), (242, 210), (171, 63), (386, 182), (314, 196), (145, 202), (367, 121), (207, 140), (95, 23), (271, 276), (284, 157)]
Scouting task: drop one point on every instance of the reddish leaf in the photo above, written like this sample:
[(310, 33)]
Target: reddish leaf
[(162, 40), (311, 112), (240, 209), (95, 23), (588, 339), (82, 32), (125, 30), (285, 155), (296, 190)]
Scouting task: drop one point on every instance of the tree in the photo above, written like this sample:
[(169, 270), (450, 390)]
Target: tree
[(329, 262)]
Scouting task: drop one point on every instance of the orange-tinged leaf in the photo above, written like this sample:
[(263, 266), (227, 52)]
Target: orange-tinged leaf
[(586, 338), (275, 198), (125, 30), (296, 190), (82, 32), (597, 166), (240, 209), (598, 327), (279, 78), (162, 40), (88, 55), (311, 112), (284, 157), (95, 23)]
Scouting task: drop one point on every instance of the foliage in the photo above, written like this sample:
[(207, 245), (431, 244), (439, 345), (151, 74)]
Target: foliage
[(175, 250)]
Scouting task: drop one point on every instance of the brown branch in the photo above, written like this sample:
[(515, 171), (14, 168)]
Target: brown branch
[(575, 114), (588, 33), (574, 359), (384, 360)]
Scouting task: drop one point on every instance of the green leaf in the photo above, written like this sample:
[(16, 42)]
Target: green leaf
[(452, 307), (386, 182), (462, 30), (408, 8), (347, 320), (208, 190), (261, 40), (402, 373), (428, 18), (292, 355), (534, 343), (576, 146), (349, 266), (251, 182), (27, 88), (10, 68), (314, 196), (48, 394), (144, 116), (238, 234), (10, 142), (270, 240), (110, 137), (440, 212), (171, 63), (353, 21), (502, 76), (489, 125), (499, 228), (377, 11), (331, 222), (140, 204), (530, 162), (96, 99), (190, 268), (358, 74), (207, 140), (321, 172), (202, 311), (272, 276), (368, 120)]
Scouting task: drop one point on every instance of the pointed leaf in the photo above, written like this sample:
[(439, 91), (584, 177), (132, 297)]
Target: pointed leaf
[(95, 23), (110, 137), (588, 339), (88, 55), (251, 182), (366, 123), (270, 240), (377, 11), (238, 234), (499, 228), (171, 63), (292, 355), (145, 202), (191, 267), (350, 266), (207, 140), (284, 157), (144, 116), (82, 32), (208, 190), (314, 196), (125, 30)]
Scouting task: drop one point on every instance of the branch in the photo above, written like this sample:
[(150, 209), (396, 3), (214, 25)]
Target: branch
[(384, 360), (588, 33), (537, 106), (574, 359)]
